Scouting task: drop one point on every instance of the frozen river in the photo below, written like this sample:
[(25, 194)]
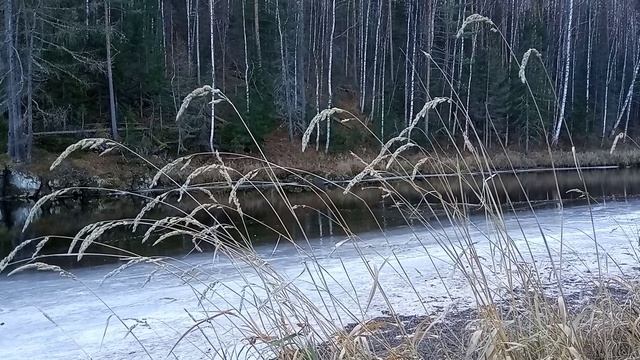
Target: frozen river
[(45, 316), (142, 312)]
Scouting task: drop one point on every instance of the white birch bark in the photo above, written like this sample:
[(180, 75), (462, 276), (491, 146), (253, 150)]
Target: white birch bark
[(189, 36), (375, 60), (112, 103), (629, 97), (164, 37), (246, 54), (213, 77), (330, 73), (565, 88), (407, 65), (610, 66), (589, 52), (256, 26), (413, 65), (197, 37), (86, 13), (364, 56)]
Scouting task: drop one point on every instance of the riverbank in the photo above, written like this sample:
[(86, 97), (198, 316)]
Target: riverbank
[(524, 327), (128, 173)]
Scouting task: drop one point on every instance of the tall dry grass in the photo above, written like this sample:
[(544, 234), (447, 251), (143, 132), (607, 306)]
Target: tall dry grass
[(520, 310)]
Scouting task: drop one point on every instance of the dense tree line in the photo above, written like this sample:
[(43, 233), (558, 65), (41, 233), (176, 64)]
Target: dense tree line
[(124, 66)]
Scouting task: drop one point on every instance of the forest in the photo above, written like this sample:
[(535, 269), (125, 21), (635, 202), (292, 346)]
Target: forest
[(523, 74)]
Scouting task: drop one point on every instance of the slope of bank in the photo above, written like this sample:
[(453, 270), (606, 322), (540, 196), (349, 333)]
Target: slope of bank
[(129, 173)]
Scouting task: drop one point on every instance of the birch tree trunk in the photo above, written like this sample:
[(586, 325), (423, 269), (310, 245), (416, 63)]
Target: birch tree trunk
[(197, 37), (112, 100), (213, 77), (330, 73), (430, 38), (246, 55), (284, 68), (565, 87), (86, 13), (375, 61), (29, 75), (413, 64), (189, 37), (589, 52), (407, 68), (626, 124), (164, 37), (474, 43), (365, 48), (13, 103), (629, 97), (612, 55), (256, 26), (621, 98)]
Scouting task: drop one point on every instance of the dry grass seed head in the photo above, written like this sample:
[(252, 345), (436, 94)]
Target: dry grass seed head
[(233, 195), (525, 61), (39, 247), (7, 260), (473, 19), (128, 264), (324, 115), (369, 168), (170, 167), (615, 142), (36, 207), (97, 232), (429, 105), (90, 143), (40, 266), (199, 92), (148, 207), (417, 166), (221, 169), (170, 222), (397, 153)]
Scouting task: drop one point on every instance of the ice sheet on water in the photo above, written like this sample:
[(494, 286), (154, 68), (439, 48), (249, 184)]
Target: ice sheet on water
[(45, 316)]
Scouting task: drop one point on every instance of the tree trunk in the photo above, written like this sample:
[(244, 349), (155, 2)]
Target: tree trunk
[(189, 37), (256, 25), (112, 100), (375, 61), (612, 55), (330, 72), (430, 38), (628, 99), (197, 36), (565, 87), (213, 78), (13, 100), (29, 75), (246, 55)]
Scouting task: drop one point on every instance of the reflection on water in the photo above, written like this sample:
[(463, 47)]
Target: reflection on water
[(268, 215)]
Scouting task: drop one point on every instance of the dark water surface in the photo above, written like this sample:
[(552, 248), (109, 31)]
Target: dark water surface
[(365, 210)]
